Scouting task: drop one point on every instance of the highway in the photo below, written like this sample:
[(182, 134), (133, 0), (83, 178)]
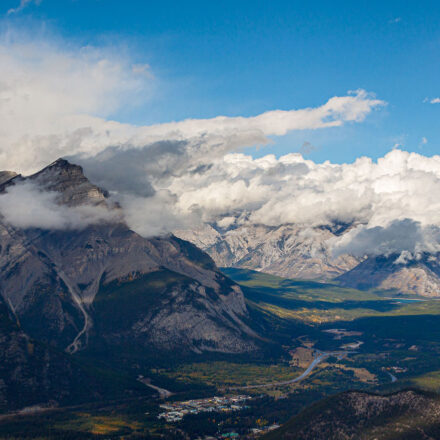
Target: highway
[(321, 355)]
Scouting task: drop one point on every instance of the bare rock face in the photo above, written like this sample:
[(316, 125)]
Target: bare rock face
[(69, 181), (288, 251), (69, 286)]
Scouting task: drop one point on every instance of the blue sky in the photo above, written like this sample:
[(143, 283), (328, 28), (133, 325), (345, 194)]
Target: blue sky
[(247, 57)]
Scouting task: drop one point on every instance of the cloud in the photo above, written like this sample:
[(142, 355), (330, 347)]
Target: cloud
[(335, 112), (57, 100), (395, 20), (54, 97), (178, 184), (432, 100), (423, 141), (392, 203), (23, 4), (25, 205), (88, 136), (406, 238)]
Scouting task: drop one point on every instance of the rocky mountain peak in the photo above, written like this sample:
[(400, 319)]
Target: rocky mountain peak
[(69, 180), (7, 176), (292, 251)]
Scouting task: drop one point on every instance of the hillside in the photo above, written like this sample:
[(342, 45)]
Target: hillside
[(33, 374), (354, 415), (419, 276)]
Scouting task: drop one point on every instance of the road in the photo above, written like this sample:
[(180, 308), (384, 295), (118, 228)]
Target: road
[(321, 355), (163, 393)]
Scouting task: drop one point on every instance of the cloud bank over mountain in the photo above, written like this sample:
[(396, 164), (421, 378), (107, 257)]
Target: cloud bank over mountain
[(392, 202), (25, 205), (56, 102)]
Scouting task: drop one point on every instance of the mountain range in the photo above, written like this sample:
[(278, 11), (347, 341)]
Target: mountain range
[(296, 251)]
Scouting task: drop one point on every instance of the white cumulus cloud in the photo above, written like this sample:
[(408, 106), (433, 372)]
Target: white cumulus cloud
[(58, 100)]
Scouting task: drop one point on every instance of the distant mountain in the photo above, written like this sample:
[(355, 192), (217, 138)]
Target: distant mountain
[(406, 415), (288, 251), (294, 251), (419, 276), (105, 285)]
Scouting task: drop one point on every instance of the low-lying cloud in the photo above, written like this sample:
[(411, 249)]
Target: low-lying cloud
[(391, 203), (25, 205), (406, 238)]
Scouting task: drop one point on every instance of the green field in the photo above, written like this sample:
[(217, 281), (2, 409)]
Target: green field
[(223, 374)]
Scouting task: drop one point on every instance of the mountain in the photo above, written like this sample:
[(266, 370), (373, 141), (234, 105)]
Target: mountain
[(419, 276), (293, 251), (288, 251), (104, 285), (405, 415)]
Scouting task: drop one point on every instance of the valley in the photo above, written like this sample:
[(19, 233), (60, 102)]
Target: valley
[(378, 347)]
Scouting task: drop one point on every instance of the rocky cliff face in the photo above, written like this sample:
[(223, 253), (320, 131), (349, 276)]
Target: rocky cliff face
[(288, 250), (52, 280)]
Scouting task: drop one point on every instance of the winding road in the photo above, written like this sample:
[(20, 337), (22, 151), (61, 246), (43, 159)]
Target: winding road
[(321, 355), (163, 393)]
